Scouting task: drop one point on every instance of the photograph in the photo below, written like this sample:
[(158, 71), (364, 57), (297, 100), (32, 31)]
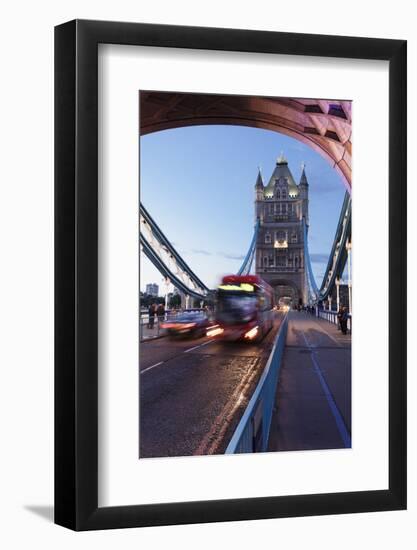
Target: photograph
[(180, 364), (245, 309)]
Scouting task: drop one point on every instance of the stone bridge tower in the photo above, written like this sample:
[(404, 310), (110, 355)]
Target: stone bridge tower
[(281, 206)]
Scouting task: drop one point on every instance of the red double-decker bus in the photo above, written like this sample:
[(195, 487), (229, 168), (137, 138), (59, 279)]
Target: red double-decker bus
[(243, 308)]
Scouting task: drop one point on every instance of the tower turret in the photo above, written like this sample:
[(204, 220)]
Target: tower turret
[(303, 186), (303, 179), (259, 185), (259, 194)]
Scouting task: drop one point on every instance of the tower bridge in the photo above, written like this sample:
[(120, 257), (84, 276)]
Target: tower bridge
[(280, 394), (278, 250), (283, 393), (281, 206)]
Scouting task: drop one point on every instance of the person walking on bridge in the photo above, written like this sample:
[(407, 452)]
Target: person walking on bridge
[(339, 316), (343, 319), (160, 312), (151, 314)]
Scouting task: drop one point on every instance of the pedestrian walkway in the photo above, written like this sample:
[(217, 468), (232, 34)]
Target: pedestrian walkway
[(147, 333), (313, 401)]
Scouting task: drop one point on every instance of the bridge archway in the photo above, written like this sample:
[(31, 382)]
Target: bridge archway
[(285, 288), (324, 125)]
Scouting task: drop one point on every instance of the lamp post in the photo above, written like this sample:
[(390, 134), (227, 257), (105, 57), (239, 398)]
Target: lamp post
[(349, 260), (337, 293), (167, 283)]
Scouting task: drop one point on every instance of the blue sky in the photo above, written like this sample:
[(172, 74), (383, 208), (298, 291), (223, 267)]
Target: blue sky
[(198, 185)]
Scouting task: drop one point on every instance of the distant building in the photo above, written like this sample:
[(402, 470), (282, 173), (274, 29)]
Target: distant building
[(152, 289), (281, 207)]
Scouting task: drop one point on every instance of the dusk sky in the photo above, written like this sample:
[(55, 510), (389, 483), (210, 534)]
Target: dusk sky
[(198, 185)]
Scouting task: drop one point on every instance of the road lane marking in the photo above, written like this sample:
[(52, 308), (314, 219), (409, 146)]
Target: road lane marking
[(199, 346), (151, 367), (161, 362), (341, 426)]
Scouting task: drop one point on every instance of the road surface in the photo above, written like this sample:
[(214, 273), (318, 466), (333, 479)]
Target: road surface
[(193, 392)]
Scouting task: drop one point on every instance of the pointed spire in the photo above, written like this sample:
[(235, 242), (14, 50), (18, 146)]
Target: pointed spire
[(281, 159), (259, 181), (303, 179)]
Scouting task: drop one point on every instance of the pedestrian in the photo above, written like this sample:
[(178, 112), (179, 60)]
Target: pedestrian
[(339, 316), (343, 320), (160, 312), (151, 314)]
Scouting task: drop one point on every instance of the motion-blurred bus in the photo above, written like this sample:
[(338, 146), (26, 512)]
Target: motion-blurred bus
[(243, 310)]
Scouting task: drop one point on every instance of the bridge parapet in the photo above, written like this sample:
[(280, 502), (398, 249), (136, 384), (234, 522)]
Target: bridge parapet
[(252, 432), (331, 316)]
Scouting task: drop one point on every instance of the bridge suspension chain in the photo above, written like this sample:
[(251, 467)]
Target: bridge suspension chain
[(337, 257), (166, 259), (171, 265), (247, 262)]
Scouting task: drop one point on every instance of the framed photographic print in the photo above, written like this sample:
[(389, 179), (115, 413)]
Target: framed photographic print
[(230, 275)]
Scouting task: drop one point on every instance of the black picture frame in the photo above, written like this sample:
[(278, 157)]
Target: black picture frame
[(76, 271)]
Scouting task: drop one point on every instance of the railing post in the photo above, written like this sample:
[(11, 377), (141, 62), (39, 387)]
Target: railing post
[(337, 294), (140, 328), (349, 266), (166, 292)]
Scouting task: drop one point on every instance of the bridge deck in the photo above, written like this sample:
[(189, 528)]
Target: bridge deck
[(193, 392), (313, 402)]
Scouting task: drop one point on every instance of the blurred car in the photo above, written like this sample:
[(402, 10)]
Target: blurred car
[(189, 324)]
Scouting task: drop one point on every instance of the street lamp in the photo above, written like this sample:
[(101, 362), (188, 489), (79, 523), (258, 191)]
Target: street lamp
[(349, 260), (167, 283), (337, 293)]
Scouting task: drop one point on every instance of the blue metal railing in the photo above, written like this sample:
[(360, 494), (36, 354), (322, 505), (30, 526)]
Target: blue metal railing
[(252, 432), (331, 316)]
